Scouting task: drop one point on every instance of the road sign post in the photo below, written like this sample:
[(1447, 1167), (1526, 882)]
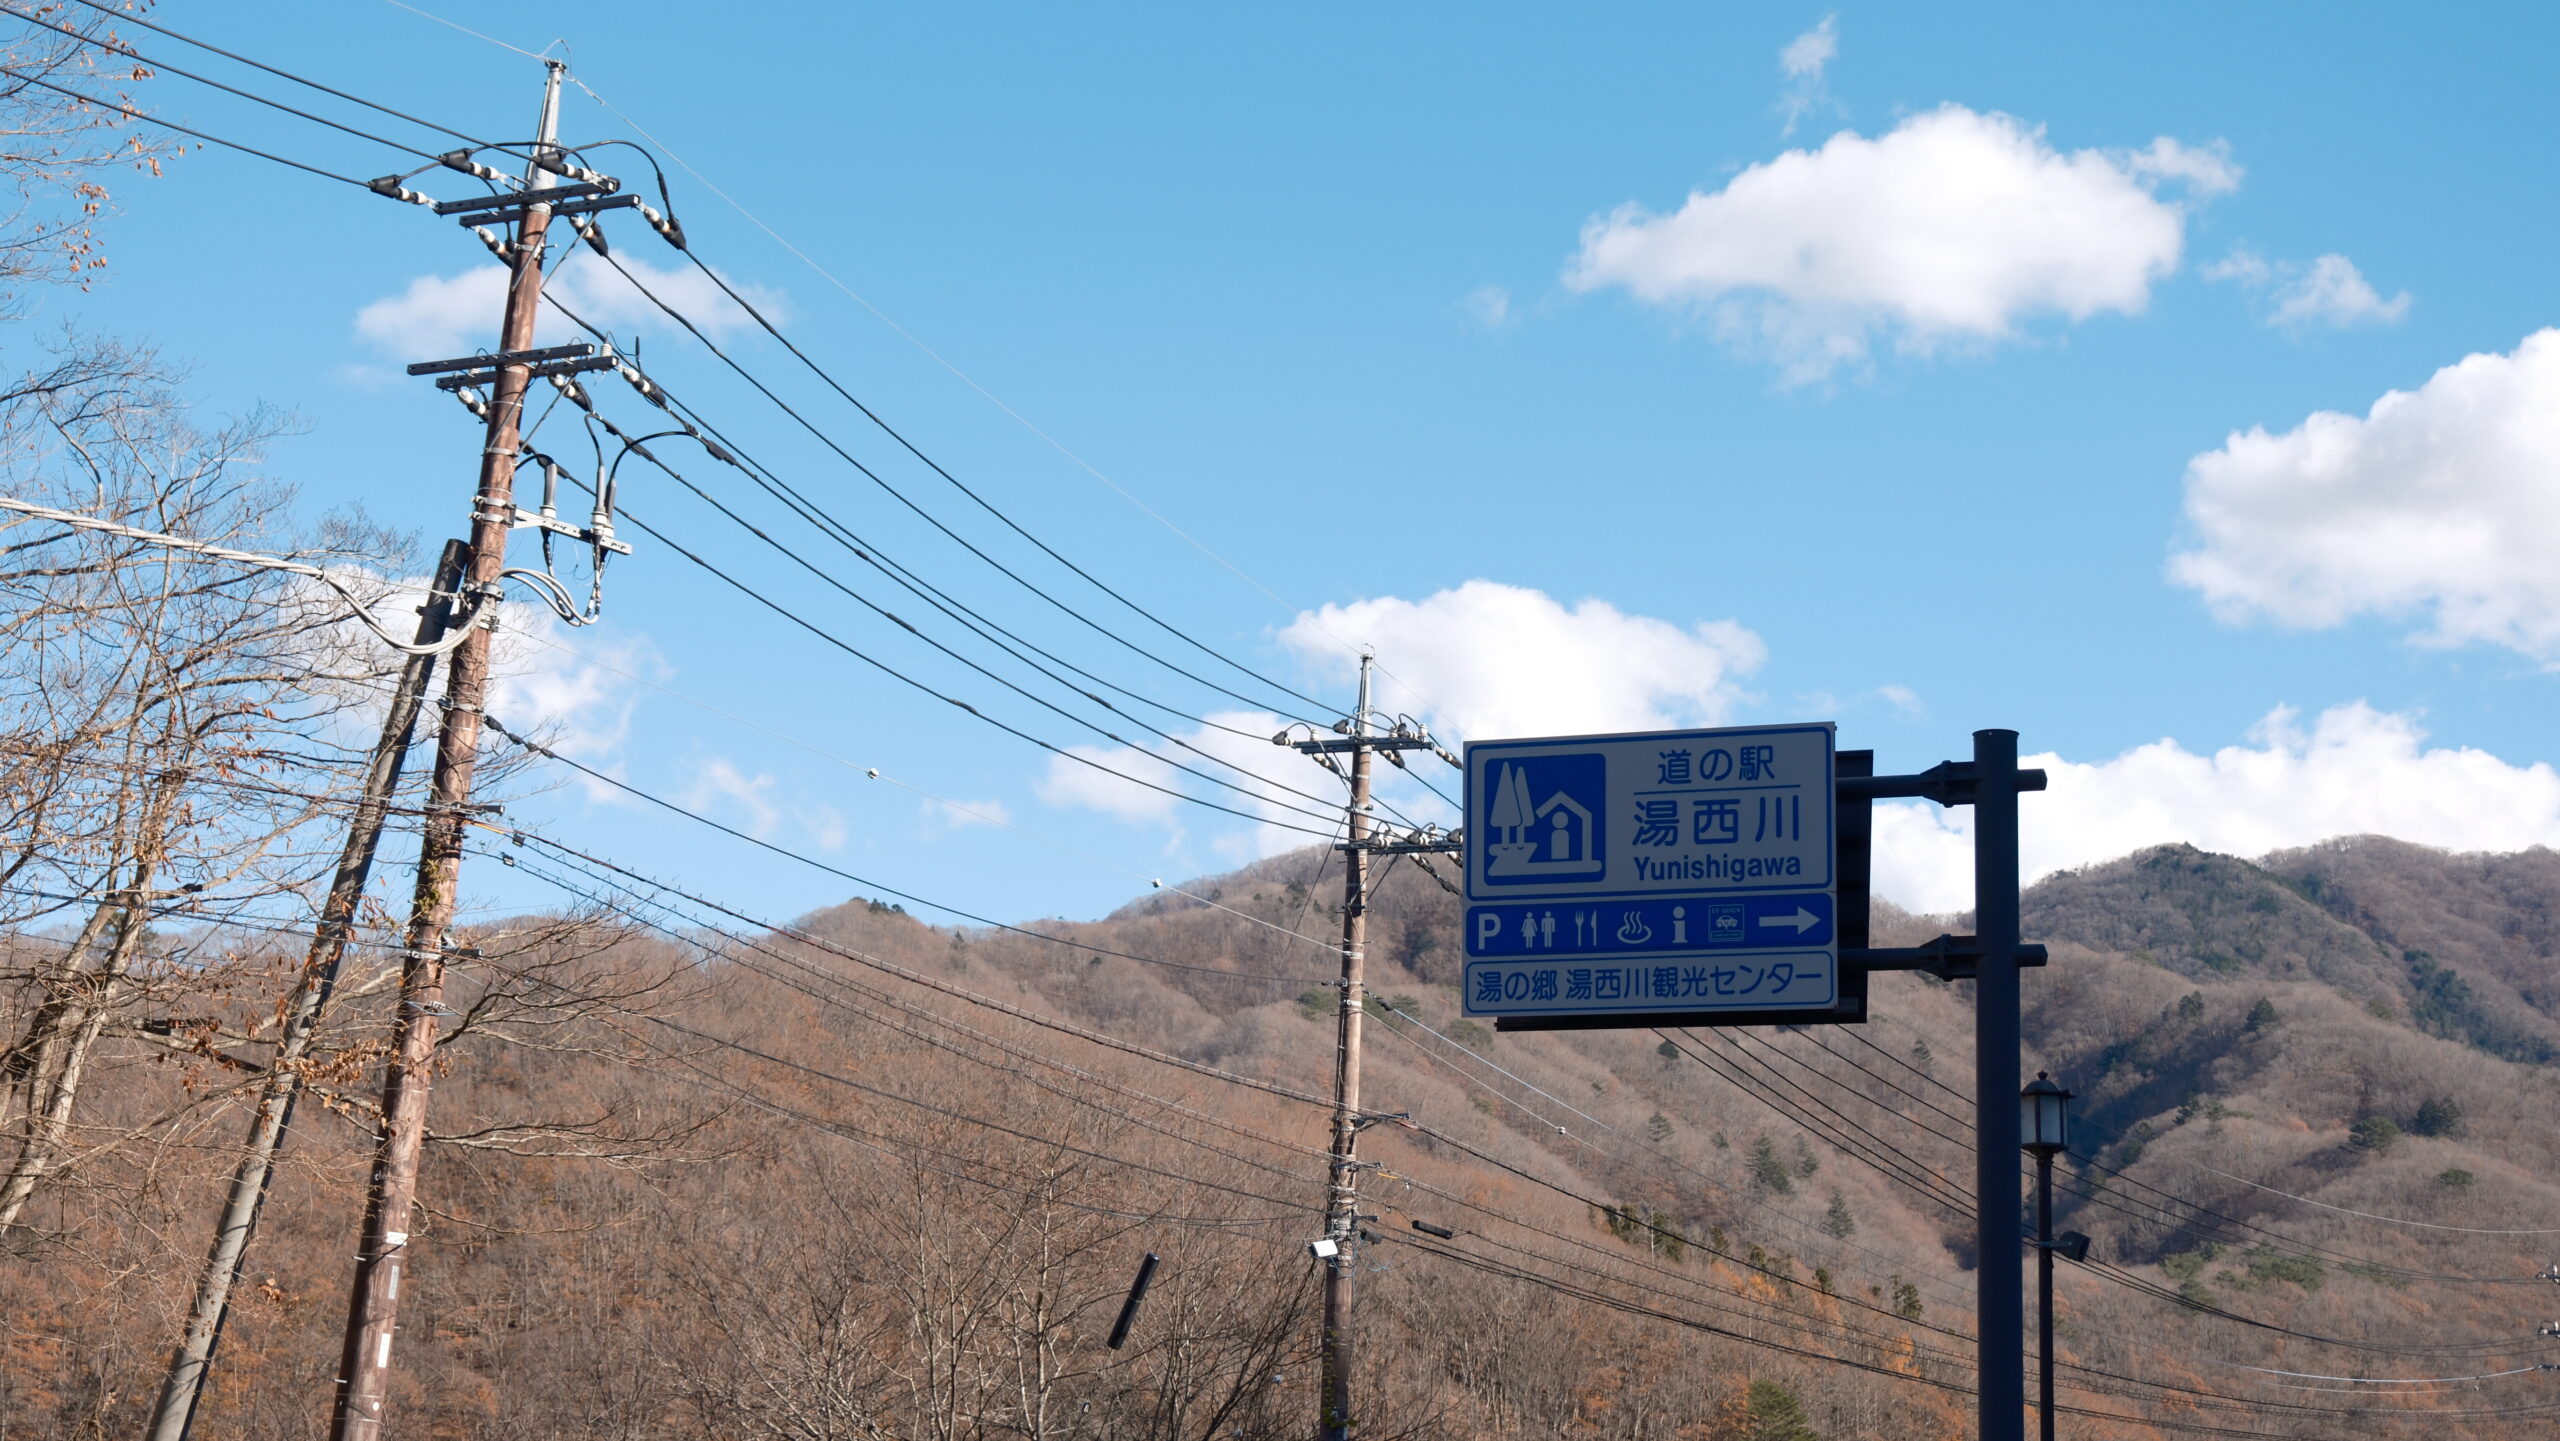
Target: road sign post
[(1719, 878)]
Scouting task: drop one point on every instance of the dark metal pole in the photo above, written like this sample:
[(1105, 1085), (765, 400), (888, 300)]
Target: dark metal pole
[(1129, 1308), (173, 1416), (2000, 1271), (2044, 1292)]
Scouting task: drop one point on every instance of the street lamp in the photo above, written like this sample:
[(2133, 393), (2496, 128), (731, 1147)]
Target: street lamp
[(2044, 1128), (2044, 1118)]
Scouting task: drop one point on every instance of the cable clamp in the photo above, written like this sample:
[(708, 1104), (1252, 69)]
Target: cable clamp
[(667, 226), (461, 160), (390, 188)]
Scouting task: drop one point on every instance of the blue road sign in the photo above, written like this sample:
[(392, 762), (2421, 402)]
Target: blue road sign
[(1667, 871)]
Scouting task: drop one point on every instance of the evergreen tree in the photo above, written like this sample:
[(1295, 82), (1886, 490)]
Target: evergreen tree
[(1769, 1168), (1771, 1412), (1837, 1223), (2374, 1134), (2438, 1116)]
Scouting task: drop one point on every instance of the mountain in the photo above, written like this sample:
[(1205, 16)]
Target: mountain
[(870, 1176)]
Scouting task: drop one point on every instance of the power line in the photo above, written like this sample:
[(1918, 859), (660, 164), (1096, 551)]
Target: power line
[(884, 668), (2213, 1220), (1907, 1172), (356, 605), (115, 48), (2191, 1427), (131, 111), (884, 999), (837, 1078), (633, 446), (815, 864), (1016, 416), (907, 1148), (2387, 1220), (909, 446), (876, 773), (2166, 1387), (1762, 1210), (872, 555), (127, 110), (474, 34), (936, 522), (131, 18), (931, 983), (593, 899), (2122, 1277)]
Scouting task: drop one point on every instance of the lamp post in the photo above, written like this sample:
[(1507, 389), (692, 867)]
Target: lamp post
[(2044, 1129)]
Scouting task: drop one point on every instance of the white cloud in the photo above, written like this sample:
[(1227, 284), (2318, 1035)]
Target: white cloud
[(1904, 699), (1802, 60), (2334, 292), (721, 781), (1488, 306), (824, 825), (2205, 169), (1805, 55), (2244, 265), (1234, 747), (1951, 229), (577, 700), (1486, 660), (2355, 771), (442, 316), (2329, 291), (1103, 785), (946, 816), (2437, 502)]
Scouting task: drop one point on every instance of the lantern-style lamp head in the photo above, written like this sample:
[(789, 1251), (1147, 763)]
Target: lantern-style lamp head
[(2044, 1116)]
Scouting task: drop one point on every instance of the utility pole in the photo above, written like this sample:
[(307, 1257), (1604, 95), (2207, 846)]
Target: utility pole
[(1337, 1249), (364, 1367), (1342, 1188), (174, 1414)]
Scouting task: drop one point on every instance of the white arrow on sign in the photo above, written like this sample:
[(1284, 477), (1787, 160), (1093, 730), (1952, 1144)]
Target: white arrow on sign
[(1803, 920)]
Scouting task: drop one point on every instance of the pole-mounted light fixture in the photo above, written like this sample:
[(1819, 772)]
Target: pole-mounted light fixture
[(2044, 1117)]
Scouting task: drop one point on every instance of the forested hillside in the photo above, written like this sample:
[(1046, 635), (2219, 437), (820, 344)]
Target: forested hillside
[(872, 1177)]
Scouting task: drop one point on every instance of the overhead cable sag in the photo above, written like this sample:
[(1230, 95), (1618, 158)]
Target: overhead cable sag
[(356, 606), (1348, 647)]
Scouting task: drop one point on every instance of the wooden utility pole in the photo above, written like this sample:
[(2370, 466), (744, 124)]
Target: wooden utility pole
[(364, 1368), (174, 1415), (1342, 1191), (1339, 1247)]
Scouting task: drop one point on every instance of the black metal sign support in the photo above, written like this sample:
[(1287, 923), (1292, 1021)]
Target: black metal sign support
[(2000, 1277), (1991, 958)]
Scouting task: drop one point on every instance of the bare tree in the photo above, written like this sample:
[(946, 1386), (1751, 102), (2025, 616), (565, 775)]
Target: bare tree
[(177, 723), (56, 146)]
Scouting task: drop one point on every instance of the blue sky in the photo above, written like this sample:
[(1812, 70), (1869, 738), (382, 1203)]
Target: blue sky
[(1671, 366)]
